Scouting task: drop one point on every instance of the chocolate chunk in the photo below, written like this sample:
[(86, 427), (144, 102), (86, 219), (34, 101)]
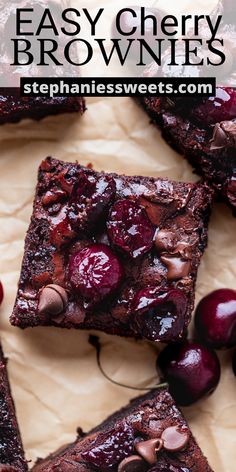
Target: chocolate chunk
[(132, 464), (53, 300), (165, 240), (224, 135), (148, 449), (177, 267), (174, 438)]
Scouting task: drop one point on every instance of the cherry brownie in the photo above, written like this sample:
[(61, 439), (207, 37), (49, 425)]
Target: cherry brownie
[(114, 253), (148, 435), (11, 450), (14, 108), (204, 130)]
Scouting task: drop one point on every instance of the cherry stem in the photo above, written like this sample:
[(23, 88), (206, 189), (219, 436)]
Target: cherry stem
[(95, 342)]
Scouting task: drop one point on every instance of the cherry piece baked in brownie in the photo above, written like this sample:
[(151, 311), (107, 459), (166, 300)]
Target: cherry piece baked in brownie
[(148, 435), (204, 130), (114, 253), (11, 450)]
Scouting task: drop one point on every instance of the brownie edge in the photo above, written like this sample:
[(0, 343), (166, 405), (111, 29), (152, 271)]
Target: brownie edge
[(14, 108)]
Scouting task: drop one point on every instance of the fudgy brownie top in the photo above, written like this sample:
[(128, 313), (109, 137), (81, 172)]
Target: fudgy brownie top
[(204, 130), (111, 252), (149, 435), (11, 450)]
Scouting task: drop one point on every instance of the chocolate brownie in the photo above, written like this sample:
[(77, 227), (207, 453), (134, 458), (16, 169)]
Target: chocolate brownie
[(114, 253), (150, 434), (14, 108), (11, 450), (204, 131)]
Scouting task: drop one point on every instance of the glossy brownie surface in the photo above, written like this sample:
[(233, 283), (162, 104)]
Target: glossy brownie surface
[(149, 435), (204, 130), (11, 450), (114, 253)]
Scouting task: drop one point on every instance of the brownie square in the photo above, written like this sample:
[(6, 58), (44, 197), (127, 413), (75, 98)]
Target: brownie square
[(204, 131), (110, 252), (150, 434), (11, 449)]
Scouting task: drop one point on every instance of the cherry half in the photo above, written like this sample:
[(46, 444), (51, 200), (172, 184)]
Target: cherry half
[(215, 319), (191, 369), (110, 448), (95, 272), (213, 110), (159, 315), (129, 228)]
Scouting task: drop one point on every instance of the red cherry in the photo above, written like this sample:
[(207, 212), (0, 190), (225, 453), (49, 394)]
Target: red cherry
[(213, 110), (91, 199), (159, 315), (1, 293), (191, 370), (95, 272), (110, 448), (129, 228), (215, 319)]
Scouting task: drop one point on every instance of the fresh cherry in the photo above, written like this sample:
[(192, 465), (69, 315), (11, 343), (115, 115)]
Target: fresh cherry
[(95, 272), (213, 110), (129, 228), (110, 448), (234, 363), (215, 319), (159, 314), (191, 369), (130, 20), (1, 293)]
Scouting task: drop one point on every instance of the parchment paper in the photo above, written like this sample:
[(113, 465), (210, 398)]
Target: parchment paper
[(55, 380)]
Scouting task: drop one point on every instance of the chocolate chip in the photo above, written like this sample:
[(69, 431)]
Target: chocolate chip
[(176, 266), (165, 240), (174, 438), (148, 449), (52, 300), (132, 464), (224, 135)]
